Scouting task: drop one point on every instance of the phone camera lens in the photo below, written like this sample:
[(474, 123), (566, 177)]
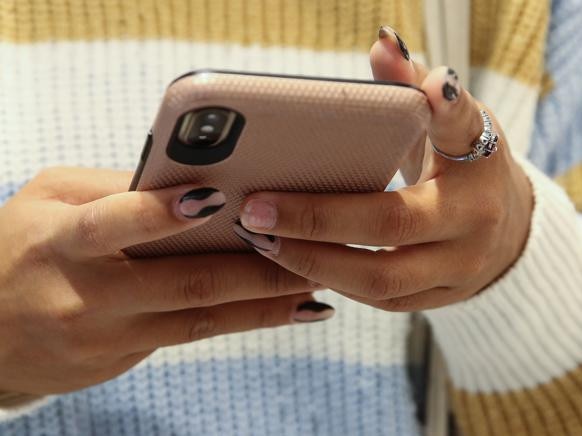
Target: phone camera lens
[(206, 127)]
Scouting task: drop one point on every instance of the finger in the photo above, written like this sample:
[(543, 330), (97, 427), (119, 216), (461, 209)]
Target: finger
[(185, 326), (390, 59), (182, 282), (377, 275), (425, 300), (109, 224), (412, 215), (76, 186), (456, 122)]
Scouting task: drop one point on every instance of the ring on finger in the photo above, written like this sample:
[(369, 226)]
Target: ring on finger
[(485, 146)]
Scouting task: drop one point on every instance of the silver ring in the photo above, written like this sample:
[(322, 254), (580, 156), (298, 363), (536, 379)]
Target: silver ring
[(485, 146)]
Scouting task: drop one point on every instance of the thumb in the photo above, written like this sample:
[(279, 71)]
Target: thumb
[(390, 59)]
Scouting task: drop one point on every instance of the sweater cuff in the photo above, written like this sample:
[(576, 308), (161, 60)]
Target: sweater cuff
[(524, 329), (13, 405)]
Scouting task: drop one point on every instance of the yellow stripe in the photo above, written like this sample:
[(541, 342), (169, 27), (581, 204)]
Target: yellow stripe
[(509, 36), (291, 14), (314, 24), (572, 183), (553, 408)]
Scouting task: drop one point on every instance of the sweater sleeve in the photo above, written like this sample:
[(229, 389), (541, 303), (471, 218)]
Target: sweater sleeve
[(514, 352)]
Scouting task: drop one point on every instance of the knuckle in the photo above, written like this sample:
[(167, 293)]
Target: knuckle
[(307, 264), (39, 249), (475, 266), (312, 221), (398, 223), (386, 282), (379, 284), (202, 325), (67, 317), (490, 213), (68, 325), (400, 304), (276, 280), (89, 229), (47, 181), (200, 288)]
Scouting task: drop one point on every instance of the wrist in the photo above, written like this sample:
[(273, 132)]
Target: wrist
[(520, 208), (522, 329)]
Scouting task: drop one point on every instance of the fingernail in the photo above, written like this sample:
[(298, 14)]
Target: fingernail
[(451, 87), (313, 311), (259, 214), (389, 32), (267, 244), (200, 203)]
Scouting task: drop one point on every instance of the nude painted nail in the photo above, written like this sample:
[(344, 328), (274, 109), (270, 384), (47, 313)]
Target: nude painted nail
[(313, 311), (388, 32), (201, 203), (259, 214)]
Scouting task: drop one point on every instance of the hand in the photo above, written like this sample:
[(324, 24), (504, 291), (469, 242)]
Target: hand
[(454, 232), (74, 311)]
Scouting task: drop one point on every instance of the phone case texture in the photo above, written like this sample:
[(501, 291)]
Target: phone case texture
[(299, 135)]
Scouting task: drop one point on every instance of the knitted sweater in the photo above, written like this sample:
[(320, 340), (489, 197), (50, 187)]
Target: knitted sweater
[(80, 81)]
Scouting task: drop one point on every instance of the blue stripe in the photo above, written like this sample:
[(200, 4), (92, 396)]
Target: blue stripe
[(223, 397), (557, 140)]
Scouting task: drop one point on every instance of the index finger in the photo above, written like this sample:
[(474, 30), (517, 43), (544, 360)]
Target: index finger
[(411, 215)]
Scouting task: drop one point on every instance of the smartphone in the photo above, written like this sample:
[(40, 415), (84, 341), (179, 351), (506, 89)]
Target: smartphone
[(246, 132)]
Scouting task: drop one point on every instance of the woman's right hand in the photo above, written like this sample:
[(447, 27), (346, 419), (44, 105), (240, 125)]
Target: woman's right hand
[(75, 311)]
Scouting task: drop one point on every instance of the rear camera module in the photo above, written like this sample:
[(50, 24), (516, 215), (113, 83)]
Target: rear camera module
[(206, 127)]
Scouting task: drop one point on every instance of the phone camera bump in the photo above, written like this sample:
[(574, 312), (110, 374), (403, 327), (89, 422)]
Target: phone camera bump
[(206, 127)]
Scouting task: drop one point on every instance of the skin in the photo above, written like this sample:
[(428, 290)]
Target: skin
[(74, 311), (451, 233)]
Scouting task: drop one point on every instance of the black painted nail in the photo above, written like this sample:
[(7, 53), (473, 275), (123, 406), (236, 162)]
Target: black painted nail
[(261, 242), (201, 203), (387, 31), (451, 87), (313, 311)]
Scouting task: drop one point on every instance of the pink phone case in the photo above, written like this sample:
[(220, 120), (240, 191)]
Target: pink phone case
[(299, 134)]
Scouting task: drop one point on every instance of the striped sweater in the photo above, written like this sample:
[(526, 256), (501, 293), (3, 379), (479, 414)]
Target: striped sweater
[(79, 84)]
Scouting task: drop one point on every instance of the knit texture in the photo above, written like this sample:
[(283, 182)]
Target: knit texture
[(79, 86), (325, 25), (557, 143)]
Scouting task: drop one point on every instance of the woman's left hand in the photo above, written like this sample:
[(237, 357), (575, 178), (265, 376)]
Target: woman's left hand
[(454, 232)]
